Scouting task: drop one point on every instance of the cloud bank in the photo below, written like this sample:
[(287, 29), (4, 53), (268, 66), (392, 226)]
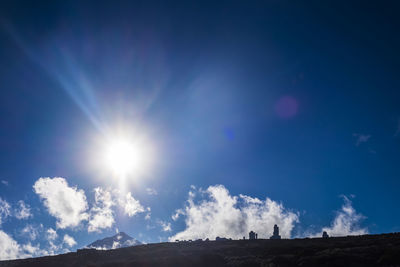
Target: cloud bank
[(67, 204), (10, 249), (218, 213)]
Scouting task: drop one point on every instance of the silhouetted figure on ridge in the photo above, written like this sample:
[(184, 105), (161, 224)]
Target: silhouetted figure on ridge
[(276, 233)]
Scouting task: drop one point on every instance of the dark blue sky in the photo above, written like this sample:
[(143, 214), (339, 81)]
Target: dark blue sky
[(298, 102)]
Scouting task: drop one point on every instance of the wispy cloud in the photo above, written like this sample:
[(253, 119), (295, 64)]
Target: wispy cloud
[(5, 210), (51, 234), (101, 214), (151, 191), (23, 211), (51, 237), (67, 204), (165, 226), (4, 182), (132, 206), (31, 231), (218, 213), (148, 214), (361, 138), (177, 214), (69, 240), (33, 250)]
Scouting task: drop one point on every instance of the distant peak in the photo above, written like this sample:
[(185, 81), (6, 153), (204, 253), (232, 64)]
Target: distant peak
[(120, 239)]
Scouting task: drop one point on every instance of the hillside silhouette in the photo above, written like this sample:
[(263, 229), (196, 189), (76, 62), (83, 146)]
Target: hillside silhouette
[(367, 250)]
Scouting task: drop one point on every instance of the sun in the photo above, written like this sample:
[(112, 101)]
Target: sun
[(123, 156), (126, 153), (120, 156)]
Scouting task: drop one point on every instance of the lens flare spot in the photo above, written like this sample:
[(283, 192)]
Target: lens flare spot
[(286, 107)]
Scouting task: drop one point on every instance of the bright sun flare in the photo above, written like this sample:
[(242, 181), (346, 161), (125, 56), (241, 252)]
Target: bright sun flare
[(123, 157)]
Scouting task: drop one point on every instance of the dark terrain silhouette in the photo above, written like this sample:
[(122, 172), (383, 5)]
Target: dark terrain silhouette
[(367, 250)]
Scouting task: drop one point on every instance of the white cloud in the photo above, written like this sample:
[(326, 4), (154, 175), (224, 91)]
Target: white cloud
[(177, 214), (220, 214), (30, 250), (131, 205), (4, 210), (165, 226), (346, 222), (101, 215), (53, 249), (31, 231), (10, 249), (4, 182), (33, 250), (151, 191), (69, 240), (250, 200), (361, 138), (24, 211), (51, 234), (67, 204)]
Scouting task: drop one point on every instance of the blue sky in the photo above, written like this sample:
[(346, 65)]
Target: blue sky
[(244, 115)]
